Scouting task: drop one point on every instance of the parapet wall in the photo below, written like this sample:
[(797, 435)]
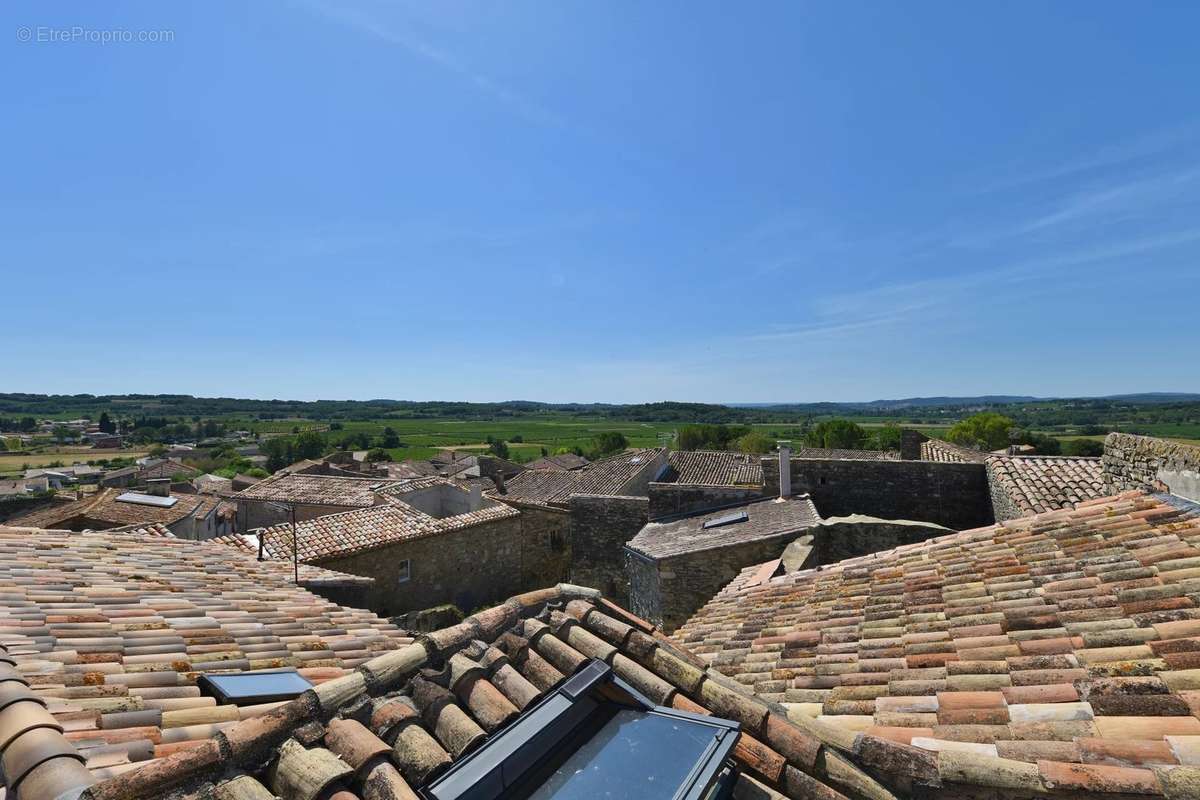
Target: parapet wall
[(1133, 462), (669, 499), (955, 495)]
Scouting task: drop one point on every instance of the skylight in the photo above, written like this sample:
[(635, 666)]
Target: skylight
[(253, 688), (727, 519), (596, 736), (140, 499)]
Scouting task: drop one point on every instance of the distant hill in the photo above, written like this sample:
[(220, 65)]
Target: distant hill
[(979, 400), (1174, 407)]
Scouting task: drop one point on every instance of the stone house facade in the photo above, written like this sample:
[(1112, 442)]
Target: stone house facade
[(677, 565)]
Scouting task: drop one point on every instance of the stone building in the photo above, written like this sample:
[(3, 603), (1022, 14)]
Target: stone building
[(427, 542), (187, 516), (701, 479), (270, 501), (677, 564), (626, 475), (593, 510)]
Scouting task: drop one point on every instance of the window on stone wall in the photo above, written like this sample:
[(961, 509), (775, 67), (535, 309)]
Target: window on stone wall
[(403, 571)]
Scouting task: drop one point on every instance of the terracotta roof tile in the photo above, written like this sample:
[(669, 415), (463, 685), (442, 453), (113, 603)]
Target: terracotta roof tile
[(102, 637), (1019, 632), (327, 490), (1035, 484)]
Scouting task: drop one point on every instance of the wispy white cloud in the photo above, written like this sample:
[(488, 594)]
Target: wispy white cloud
[(1117, 154), (1120, 198), (392, 32)]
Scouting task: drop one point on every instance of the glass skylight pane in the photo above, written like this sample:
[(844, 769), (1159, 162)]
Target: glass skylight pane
[(636, 754), (256, 687), (728, 519)]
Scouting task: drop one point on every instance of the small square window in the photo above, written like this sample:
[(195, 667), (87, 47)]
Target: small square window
[(403, 571)]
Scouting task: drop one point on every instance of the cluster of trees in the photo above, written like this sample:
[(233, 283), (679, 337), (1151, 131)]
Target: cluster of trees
[(283, 450), (723, 437), (226, 462), (991, 431)]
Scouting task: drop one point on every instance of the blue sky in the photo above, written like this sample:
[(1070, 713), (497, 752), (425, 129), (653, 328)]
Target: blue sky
[(604, 201)]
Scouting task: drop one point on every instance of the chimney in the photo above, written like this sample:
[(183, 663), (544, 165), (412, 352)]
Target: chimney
[(476, 496), (159, 487), (785, 469)]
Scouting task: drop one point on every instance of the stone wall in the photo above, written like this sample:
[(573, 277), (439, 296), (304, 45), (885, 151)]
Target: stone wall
[(600, 527), (545, 546), (950, 494), (910, 444), (1131, 462), (669, 591), (470, 568), (839, 538), (669, 499), (1003, 507)]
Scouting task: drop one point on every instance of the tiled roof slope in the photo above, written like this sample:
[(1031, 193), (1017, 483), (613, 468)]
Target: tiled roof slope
[(1053, 652), (102, 636), (715, 468), (562, 461), (854, 455), (404, 716), (554, 488), (765, 519), (941, 450), (1034, 484), (103, 510), (348, 532), (325, 490)]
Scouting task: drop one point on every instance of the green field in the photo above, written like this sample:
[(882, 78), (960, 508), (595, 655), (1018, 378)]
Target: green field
[(11, 463)]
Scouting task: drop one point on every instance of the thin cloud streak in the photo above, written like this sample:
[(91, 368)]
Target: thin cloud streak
[(357, 20)]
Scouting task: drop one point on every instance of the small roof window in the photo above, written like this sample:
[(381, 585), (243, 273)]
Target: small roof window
[(727, 519), (253, 688), (597, 737), (137, 498)]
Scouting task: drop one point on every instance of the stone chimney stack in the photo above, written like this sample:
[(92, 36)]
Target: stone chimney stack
[(476, 496), (785, 469), (159, 487)]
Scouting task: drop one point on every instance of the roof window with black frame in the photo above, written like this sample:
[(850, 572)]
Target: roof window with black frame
[(597, 737), (253, 688)]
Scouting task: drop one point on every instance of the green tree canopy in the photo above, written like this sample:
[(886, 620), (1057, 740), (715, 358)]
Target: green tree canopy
[(378, 454), (836, 434), (106, 424), (390, 438), (1082, 447), (886, 437), (606, 443), (986, 431), (756, 442), (708, 437)]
